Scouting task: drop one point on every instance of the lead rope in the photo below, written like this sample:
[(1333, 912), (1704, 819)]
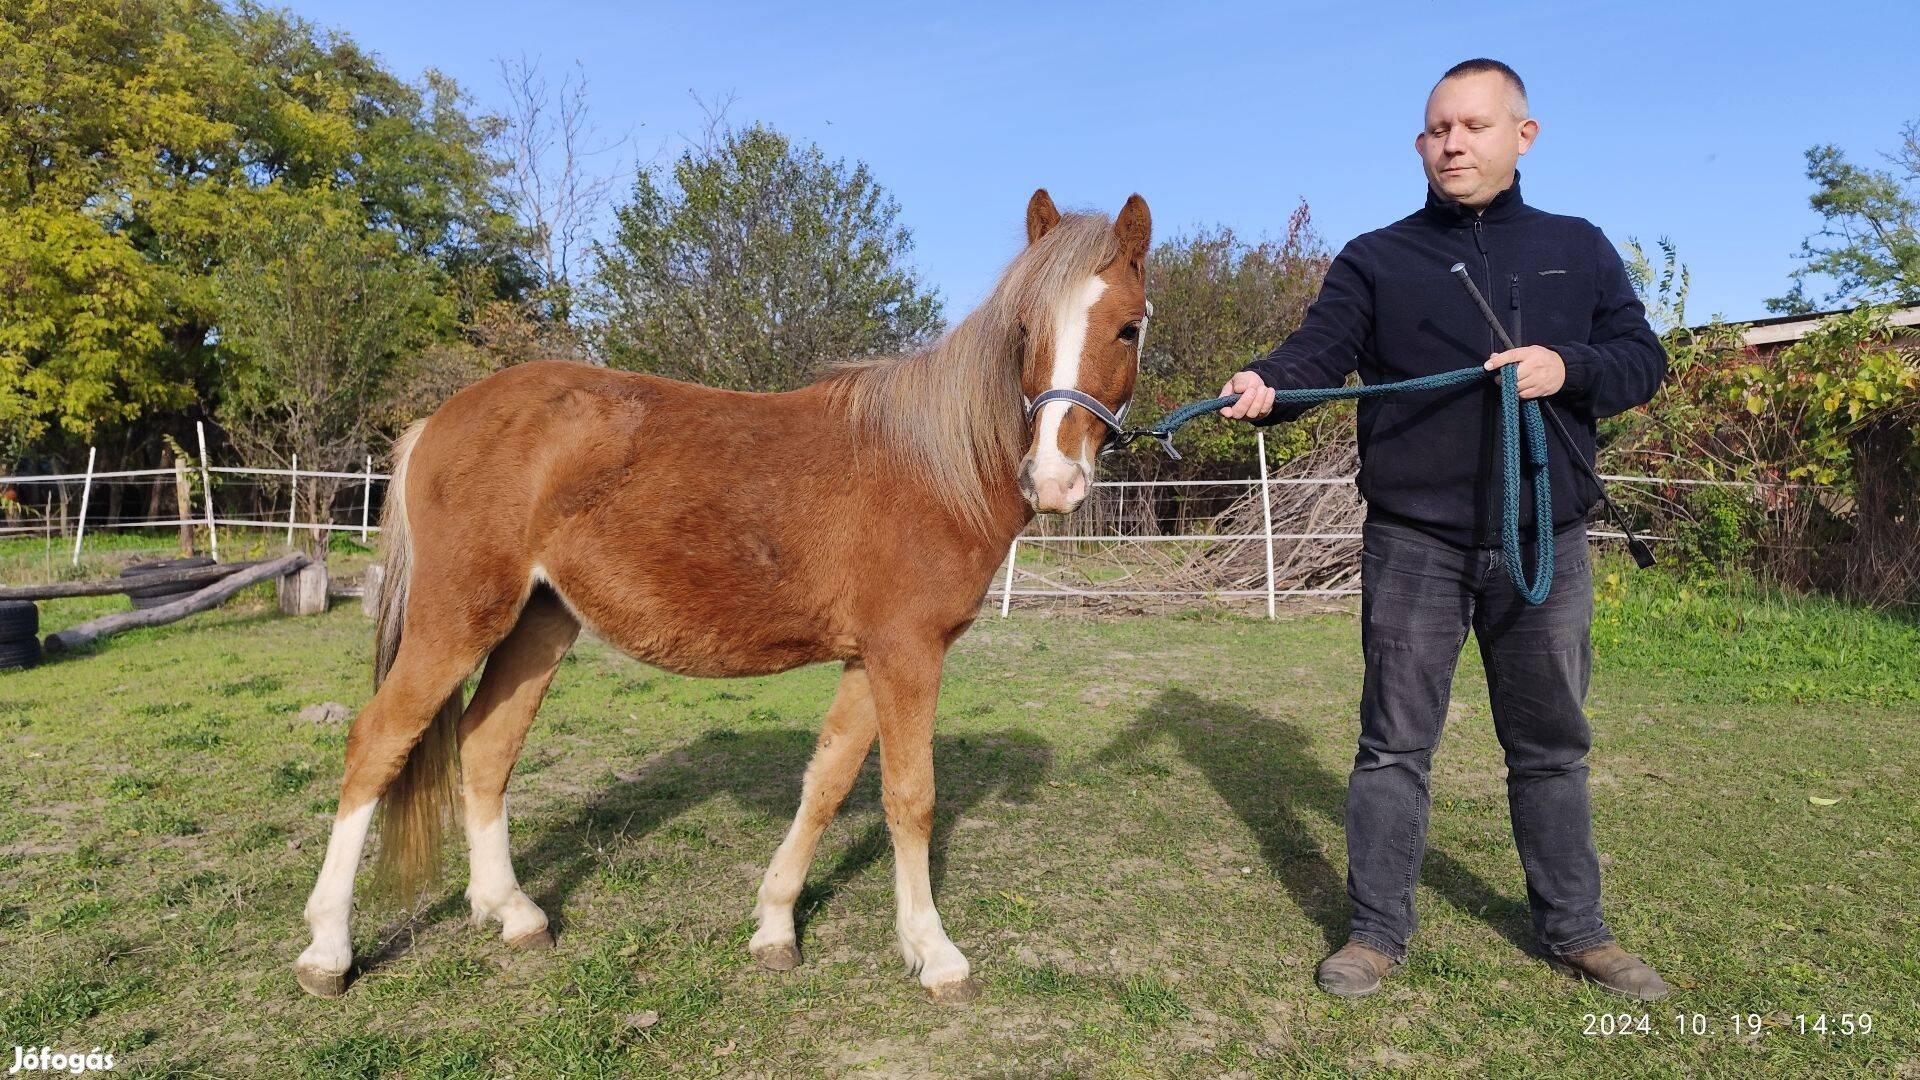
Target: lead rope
[(1515, 415)]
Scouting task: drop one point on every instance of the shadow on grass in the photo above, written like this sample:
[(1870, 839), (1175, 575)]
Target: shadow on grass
[(1264, 768), (761, 771)]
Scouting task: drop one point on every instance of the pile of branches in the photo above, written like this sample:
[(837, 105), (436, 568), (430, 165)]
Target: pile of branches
[(1312, 509)]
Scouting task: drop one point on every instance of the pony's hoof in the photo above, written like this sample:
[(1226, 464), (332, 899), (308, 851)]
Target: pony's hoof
[(326, 984), (955, 993), (782, 957), (540, 940)]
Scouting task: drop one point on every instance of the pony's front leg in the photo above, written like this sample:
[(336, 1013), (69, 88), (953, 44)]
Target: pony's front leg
[(906, 688), (845, 739)]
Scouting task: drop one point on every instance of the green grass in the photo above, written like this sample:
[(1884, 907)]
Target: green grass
[(1139, 847)]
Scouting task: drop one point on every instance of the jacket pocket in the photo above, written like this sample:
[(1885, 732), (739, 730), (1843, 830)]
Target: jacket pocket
[(1557, 305)]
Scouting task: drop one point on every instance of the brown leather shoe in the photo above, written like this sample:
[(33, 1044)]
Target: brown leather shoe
[(1615, 969), (1354, 971)]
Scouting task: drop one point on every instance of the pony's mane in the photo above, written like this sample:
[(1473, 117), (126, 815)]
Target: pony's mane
[(952, 411)]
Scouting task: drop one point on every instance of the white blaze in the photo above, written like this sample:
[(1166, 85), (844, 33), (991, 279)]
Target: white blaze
[(1069, 339)]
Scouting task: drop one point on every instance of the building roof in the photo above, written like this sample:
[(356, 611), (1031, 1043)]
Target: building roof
[(1786, 329)]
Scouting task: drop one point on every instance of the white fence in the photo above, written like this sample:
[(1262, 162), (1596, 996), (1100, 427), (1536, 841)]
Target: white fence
[(1005, 585), (207, 517)]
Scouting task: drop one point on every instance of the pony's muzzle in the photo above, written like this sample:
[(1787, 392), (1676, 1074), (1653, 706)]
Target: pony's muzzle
[(1053, 487)]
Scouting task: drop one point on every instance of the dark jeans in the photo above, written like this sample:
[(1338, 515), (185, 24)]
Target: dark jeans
[(1419, 596)]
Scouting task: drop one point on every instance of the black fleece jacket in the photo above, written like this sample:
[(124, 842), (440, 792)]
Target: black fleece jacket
[(1390, 309)]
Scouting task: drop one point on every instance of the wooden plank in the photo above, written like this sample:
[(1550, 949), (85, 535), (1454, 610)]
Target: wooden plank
[(62, 589), (94, 629)]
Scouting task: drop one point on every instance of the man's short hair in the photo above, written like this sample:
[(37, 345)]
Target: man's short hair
[(1483, 66)]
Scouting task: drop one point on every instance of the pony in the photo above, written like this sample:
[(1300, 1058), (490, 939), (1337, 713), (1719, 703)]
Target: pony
[(857, 520)]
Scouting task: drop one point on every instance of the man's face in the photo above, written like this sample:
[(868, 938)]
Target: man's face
[(1473, 138)]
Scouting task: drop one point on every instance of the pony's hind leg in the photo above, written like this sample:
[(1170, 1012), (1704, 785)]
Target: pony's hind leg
[(845, 739), (378, 745), (491, 733)]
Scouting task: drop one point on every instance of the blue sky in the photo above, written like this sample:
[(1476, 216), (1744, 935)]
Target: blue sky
[(1680, 119)]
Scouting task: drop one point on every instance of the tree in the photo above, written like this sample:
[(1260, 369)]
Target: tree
[(138, 137), (751, 263), (79, 337), (1220, 302), (1662, 290), (548, 142), (1853, 383), (1839, 409), (1870, 245), (321, 318)]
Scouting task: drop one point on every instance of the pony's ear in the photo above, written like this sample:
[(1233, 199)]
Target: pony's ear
[(1134, 228), (1041, 216)]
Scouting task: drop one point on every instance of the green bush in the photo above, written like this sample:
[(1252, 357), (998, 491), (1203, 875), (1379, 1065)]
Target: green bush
[(1717, 532)]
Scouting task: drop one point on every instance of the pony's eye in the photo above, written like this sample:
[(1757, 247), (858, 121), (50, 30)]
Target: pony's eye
[(1130, 332)]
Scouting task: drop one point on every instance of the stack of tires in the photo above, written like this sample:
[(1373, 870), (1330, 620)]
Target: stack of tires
[(146, 596), (19, 634)]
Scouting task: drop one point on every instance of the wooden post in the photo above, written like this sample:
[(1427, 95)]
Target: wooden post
[(293, 498), (304, 592), (1266, 511), (86, 496), (370, 584), (366, 499), (183, 501), (206, 487), (1006, 587)]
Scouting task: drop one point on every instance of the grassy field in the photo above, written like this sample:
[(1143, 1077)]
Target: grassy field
[(1139, 848)]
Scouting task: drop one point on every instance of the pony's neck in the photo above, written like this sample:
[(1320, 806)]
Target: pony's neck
[(952, 414)]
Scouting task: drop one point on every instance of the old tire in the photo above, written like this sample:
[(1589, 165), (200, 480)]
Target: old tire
[(18, 619), (146, 596), (154, 597), (23, 653), (191, 562)]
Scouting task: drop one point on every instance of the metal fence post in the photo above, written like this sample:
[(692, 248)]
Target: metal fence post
[(86, 496), (1006, 587), (1266, 512), (366, 499), (206, 487)]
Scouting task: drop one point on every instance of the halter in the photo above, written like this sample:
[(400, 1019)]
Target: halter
[(1118, 433)]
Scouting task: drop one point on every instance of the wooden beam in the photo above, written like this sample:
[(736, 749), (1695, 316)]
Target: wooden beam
[(75, 636), (107, 587)]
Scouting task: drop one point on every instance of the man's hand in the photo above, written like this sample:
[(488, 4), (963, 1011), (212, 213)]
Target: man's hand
[(1542, 373), (1256, 397)]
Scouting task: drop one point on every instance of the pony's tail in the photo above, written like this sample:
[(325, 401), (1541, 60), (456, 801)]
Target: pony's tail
[(417, 807)]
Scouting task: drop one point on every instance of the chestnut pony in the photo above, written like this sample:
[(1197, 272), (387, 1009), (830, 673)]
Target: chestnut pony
[(858, 519)]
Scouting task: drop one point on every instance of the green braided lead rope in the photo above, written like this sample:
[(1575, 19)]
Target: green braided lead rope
[(1515, 414)]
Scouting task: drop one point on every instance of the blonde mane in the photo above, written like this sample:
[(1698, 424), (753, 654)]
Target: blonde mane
[(953, 411)]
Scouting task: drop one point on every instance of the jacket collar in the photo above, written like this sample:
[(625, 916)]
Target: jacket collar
[(1447, 212)]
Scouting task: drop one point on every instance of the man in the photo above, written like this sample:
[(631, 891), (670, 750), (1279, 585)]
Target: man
[(1431, 568)]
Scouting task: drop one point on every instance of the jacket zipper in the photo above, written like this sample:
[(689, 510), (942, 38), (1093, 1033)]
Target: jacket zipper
[(1513, 287), (1486, 268)]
